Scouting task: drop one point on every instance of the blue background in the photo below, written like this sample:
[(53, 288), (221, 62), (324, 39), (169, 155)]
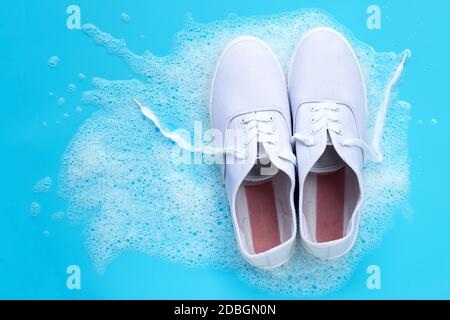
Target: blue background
[(415, 254)]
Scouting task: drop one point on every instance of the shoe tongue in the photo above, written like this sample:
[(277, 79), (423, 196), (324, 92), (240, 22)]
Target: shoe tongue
[(329, 142), (261, 152), (329, 161), (263, 169)]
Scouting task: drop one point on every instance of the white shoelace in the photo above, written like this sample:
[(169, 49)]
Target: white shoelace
[(181, 142), (256, 126), (325, 116)]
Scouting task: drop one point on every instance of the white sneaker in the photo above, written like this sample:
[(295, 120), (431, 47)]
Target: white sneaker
[(250, 107), (328, 101)]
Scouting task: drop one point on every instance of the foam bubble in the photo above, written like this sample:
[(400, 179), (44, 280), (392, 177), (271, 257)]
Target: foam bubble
[(120, 184), (71, 87), (125, 17), (43, 185), (58, 216), (35, 209), (53, 61), (61, 101)]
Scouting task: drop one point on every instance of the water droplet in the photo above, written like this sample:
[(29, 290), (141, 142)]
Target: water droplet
[(125, 17), (61, 101), (71, 87), (78, 109), (53, 61), (420, 122), (51, 94), (81, 76), (44, 124), (434, 122), (46, 233), (66, 115)]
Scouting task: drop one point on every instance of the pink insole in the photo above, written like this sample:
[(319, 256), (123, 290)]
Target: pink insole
[(262, 213), (330, 206)]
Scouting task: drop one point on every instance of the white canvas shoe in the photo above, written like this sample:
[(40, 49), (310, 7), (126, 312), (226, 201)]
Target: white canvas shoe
[(250, 108), (328, 101)]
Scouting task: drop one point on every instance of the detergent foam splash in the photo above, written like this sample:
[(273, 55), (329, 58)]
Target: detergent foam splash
[(121, 185)]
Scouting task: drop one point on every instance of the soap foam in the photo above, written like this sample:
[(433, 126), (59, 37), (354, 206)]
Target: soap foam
[(120, 182), (35, 209), (43, 185)]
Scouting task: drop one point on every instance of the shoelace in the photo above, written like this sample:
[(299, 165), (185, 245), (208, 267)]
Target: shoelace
[(181, 142), (327, 118), (256, 126), (325, 115)]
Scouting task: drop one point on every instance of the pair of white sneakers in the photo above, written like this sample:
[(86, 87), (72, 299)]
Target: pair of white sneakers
[(326, 98)]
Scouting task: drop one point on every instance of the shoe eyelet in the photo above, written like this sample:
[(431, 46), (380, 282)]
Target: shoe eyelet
[(312, 109), (313, 120), (242, 121), (271, 118), (313, 132), (337, 109), (340, 132)]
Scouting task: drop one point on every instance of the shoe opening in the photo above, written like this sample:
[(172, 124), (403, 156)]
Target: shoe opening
[(263, 209), (330, 195)]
